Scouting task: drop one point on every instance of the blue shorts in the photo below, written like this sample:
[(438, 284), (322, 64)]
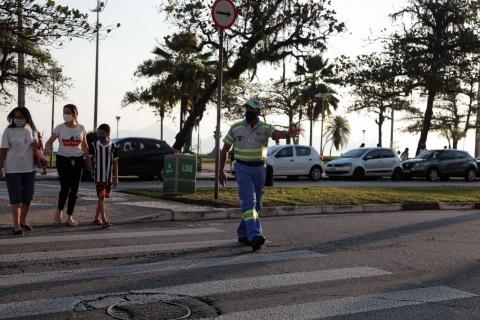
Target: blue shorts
[(21, 187)]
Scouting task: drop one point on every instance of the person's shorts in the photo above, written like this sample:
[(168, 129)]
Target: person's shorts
[(104, 189)]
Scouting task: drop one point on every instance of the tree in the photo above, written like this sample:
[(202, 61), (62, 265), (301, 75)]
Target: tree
[(377, 88), (285, 99), (266, 32), (27, 29), (180, 71), (337, 132), (437, 32)]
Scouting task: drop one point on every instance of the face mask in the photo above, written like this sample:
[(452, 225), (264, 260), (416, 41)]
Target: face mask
[(19, 122), (67, 117), (102, 138), (251, 116)]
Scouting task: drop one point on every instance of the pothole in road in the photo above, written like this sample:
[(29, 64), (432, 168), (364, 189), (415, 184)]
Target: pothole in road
[(144, 306)]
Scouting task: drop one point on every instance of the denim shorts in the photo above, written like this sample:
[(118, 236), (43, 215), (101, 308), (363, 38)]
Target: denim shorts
[(21, 187)]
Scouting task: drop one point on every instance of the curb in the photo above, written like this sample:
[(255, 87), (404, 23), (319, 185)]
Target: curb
[(234, 213)]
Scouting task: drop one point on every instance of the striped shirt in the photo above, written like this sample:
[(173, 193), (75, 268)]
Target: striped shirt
[(103, 158)]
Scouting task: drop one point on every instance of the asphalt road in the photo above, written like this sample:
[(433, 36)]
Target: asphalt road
[(416, 265)]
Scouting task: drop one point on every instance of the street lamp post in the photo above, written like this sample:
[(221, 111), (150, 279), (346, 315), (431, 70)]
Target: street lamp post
[(53, 72), (118, 120), (98, 9), (323, 97)]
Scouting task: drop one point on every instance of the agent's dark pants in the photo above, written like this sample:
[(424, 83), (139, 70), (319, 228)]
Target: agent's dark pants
[(69, 172)]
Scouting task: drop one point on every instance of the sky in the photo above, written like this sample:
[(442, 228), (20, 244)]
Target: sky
[(143, 26)]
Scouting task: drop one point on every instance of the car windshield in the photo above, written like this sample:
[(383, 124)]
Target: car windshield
[(272, 150), (425, 155), (355, 153)]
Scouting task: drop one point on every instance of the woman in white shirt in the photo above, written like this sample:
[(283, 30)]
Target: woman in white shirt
[(72, 155), (19, 141)]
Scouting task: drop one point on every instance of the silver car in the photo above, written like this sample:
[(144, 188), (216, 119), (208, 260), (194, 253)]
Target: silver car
[(366, 162)]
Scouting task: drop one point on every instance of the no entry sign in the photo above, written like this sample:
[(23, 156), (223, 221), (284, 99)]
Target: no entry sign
[(224, 14)]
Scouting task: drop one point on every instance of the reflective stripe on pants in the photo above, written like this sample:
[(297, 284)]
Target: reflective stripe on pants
[(251, 181)]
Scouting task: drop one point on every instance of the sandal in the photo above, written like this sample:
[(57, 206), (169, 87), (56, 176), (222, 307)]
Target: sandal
[(18, 232), (107, 226), (97, 222), (26, 226)]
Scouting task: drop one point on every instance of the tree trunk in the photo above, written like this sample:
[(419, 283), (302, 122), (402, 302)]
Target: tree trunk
[(290, 124), (21, 58), (380, 122), (477, 123), (454, 143), (427, 119)]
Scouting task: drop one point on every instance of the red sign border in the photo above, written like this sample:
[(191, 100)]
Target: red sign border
[(235, 15)]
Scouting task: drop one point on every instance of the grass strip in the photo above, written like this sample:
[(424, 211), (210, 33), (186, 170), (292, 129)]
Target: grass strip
[(313, 196)]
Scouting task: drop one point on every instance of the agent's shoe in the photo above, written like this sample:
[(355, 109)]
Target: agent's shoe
[(245, 241), (257, 242), (58, 216)]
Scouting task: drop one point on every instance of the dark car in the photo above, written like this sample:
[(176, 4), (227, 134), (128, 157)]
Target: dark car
[(478, 165), (441, 165), (142, 157)]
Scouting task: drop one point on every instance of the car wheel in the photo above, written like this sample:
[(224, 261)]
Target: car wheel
[(397, 174), (315, 173), (471, 175), (359, 174), (433, 175)]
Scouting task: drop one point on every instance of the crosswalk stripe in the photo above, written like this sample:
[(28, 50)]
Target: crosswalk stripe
[(103, 236), (352, 305), (61, 304), (107, 251), (180, 264)]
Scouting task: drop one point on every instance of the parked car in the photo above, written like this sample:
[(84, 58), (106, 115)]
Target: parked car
[(295, 161), (441, 165), (142, 157), (366, 162), (478, 166)]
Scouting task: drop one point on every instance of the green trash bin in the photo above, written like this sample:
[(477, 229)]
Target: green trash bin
[(180, 174)]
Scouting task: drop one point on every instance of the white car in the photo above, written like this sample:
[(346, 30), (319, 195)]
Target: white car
[(366, 162), (295, 161)]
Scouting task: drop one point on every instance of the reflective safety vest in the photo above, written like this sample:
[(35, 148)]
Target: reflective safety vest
[(250, 143)]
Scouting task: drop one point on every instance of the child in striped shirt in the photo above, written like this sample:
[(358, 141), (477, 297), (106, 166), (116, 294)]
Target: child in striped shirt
[(105, 169)]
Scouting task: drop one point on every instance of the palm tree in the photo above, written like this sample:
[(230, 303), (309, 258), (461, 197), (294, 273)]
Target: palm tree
[(338, 133), (317, 73)]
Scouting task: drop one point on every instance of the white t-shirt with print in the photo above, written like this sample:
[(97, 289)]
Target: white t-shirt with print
[(18, 141), (70, 140)]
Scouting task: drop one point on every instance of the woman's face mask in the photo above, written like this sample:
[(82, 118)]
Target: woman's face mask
[(67, 117), (19, 122)]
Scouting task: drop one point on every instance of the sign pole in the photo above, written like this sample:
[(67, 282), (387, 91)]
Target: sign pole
[(219, 109), (224, 14)]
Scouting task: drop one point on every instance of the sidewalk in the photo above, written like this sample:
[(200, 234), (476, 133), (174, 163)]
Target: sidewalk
[(121, 209), (207, 173)]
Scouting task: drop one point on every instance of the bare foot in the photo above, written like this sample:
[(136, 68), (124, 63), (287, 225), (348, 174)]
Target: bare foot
[(71, 222), (58, 216)]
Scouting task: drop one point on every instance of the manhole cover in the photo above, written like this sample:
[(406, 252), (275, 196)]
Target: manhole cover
[(146, 306)]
